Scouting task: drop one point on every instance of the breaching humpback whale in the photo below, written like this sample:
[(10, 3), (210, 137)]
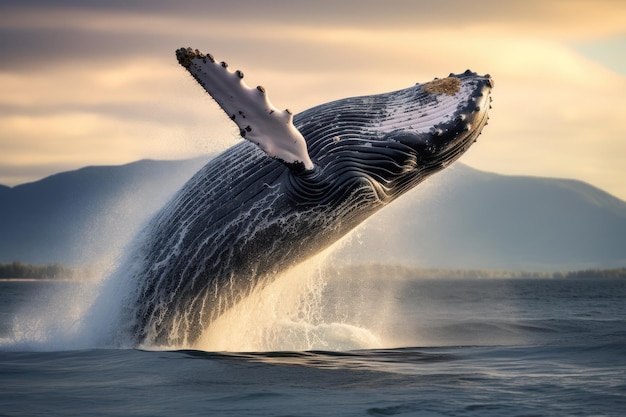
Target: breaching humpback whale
[(295, 186)]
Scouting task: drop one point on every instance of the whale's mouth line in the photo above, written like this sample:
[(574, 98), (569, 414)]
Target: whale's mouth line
[(395, 140), (389, 143)]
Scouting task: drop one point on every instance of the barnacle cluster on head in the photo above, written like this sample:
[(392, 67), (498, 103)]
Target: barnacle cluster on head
[(448, 85)]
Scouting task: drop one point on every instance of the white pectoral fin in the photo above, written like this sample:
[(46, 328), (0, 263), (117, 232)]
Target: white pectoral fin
[(258, 120)]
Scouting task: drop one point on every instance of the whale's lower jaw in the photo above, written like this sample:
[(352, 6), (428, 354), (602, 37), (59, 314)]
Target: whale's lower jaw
[(245, 217)]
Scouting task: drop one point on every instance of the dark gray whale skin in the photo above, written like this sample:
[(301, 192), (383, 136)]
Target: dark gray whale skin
[(244, 217)]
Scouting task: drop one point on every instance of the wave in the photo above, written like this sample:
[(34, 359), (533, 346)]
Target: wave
[(309, 309)]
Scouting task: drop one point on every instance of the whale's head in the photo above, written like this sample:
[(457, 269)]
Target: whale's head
[(385, 143), (392, 141)]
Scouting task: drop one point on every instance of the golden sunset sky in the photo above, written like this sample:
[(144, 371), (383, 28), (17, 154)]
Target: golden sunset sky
[(97, 82)]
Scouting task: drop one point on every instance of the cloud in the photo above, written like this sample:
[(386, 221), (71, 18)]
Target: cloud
[(606, 51), (568, 17)]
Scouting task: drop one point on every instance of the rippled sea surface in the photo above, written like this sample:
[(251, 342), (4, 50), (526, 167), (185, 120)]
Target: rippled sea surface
[(456, 348)]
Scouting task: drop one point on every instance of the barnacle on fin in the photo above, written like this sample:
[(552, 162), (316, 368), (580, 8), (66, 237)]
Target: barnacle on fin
[(185, 55)]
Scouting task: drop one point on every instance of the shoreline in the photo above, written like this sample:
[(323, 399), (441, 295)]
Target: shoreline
[(38, 279)]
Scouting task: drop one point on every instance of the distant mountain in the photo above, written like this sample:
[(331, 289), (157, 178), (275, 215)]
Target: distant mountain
[(465, 218), (82, 216), (460, 218)]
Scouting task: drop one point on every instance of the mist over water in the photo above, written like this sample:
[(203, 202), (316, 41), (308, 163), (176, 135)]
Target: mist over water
[(51, 318), (290, 313)]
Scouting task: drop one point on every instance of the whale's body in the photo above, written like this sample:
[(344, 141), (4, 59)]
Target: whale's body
[(246, 216)]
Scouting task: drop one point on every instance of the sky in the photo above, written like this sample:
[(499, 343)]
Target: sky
[(97, 82)]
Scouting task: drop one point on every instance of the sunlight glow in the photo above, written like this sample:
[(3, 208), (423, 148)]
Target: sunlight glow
[(552, 104)]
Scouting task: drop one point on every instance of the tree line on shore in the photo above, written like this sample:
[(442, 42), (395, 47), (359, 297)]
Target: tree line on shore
[(404, 272), (19, 270)]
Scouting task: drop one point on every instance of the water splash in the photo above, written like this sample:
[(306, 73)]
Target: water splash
[(52, 319), (291, 313), (286, 315)]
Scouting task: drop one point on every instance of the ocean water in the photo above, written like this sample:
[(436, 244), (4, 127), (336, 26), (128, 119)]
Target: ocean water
[(355, 347)]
